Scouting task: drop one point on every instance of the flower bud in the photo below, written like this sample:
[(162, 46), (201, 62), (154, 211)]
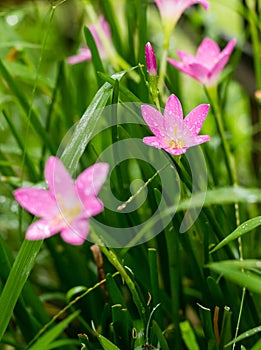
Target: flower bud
[(150, 60)]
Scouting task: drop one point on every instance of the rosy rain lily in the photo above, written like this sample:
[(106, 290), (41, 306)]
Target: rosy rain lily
[(67, 205), (173, 133), (208, 63), (171, 11), (84, 54)]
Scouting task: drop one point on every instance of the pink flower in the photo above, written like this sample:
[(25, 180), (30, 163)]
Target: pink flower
[(84, 54), (66, 206), (150, 59), (173, 9), (208, 63), (173, 133)]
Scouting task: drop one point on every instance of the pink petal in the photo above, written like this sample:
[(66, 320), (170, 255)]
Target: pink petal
[(40, 229), (175, 151), (196, 117), (217, 69), (186, 57), (154, 120), (60, 183), (183, 67), (198, 140), (198, 72), (202, 138), (173, 111), (182, 5), (90, 181), (153, 141), (84, 54), (37, 201), (76, 233), (92, 206), (105, 27), (229, 47), (208, 53)]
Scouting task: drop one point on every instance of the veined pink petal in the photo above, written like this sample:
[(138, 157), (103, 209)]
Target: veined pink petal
[(76, 233), (196, 117), (207, 53), (92, 206), (37, 201), (173, 112), (40, 229), (60, 183), (153, 141), (154, 120), (90, 181), (84, 54)]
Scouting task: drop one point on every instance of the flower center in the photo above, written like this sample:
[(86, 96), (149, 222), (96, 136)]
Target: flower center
[(175, 142), (66, 215)]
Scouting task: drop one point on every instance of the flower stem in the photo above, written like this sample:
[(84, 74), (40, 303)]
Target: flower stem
[(213, 97), (163, 64), (113, 259)]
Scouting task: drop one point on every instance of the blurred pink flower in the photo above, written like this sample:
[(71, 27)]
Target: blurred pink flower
[(173, 9), (208, 63), (84, 54), (173, 133), (66, 206)]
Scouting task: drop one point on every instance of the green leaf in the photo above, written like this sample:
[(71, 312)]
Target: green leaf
[(239, 231), (106, 343), (188, 335), (245, 335), (126, 92), (32, 118), (18, 275), (85, 128), (239, 272), (96, 59), (160, 336), (224, 195), (45, 341)]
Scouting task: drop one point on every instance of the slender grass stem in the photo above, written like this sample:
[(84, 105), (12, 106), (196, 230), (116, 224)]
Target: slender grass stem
[(213, 97), (113, 259)]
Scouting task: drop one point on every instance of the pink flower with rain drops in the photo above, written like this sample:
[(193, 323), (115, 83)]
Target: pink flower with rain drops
[(208, 63), (173, 133), (66, 205), (84, 53)]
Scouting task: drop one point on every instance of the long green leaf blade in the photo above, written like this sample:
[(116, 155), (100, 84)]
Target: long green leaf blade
[(45, 342), (239, 231)]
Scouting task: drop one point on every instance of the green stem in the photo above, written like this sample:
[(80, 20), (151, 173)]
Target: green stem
[(239, 315), (253, 23), (163, 65), (113, 259), (172, 244), (213, 98)]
